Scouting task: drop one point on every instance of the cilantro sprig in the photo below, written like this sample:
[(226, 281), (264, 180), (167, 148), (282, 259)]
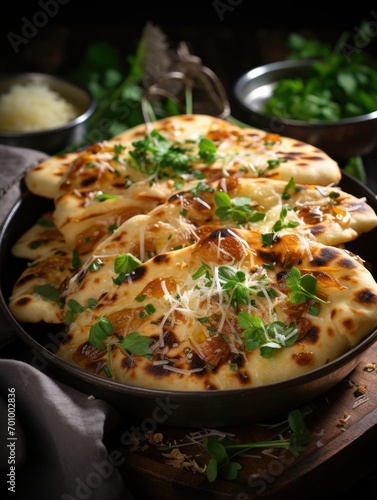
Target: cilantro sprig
[(49, 292), (266, 337), (74, 308), (154, 155), (281, 223), (123, 265), (131, 344), (234, 282), (239, 209), (302, 287), (223, 451)]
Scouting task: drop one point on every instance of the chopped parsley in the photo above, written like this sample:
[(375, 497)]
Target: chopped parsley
[(302, 287), (123, 265), (266, 337), (239, 209)]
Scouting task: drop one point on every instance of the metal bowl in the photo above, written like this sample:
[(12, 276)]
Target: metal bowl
[(340, 140), (51, 141), (177, 408)]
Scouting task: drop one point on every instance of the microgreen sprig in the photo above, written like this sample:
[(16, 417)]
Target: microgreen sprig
[(222, 451), (239, 209), (233, 282), (132, 343), (266, 337), (74, 308), (302, 287), (123, 265), (280, 223)]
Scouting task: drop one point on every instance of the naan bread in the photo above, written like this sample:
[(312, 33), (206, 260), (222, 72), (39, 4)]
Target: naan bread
[(35, 295), (39, 240), (325, 214), (142, 172), (45, 178), (244, 151), (151, 195), (173, 323)]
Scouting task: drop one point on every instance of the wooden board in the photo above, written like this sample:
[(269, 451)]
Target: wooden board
[(344, 422)]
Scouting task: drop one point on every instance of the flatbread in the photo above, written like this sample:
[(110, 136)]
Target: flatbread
[(185, 317), (325, 214), (154, 196), (44, 179), (142, 175), (35, 295), (39, 240)]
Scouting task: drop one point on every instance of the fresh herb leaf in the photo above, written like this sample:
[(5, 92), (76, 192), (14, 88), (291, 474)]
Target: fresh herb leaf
[(45, 222), (49, 292), (74, 308), (104, 197), (137, 344), (280, 223), (75, 259), (222, 451), (302, 287), (123, 265), (95, 265), (355, 167), (291, 186), (239, 209), (207, 150), (267, 338), (99, 332)]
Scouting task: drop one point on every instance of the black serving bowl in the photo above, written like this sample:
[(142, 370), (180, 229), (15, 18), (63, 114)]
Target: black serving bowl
[(51, 140), (177, 408), (340, 139)]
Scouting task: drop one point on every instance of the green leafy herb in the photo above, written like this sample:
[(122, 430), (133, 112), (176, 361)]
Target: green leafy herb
[(49, 292), (223, 451), (95, 265), (156, 156), (118, 83), (355, 167), (137, 344), (207, 150), (201, 187), (280, 224), (74, 308), (233, 281), (124, 264), (149, 309), (336, 86), (45, 222), (267, 338), (75, 259), (302, 287), (104, 197), (99, 332), (291, 186), (239, 209)]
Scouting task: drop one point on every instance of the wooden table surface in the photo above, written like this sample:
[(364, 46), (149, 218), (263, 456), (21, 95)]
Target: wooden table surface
[(341, 454)]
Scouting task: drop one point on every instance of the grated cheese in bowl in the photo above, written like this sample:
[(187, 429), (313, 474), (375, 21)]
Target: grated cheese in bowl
[(33, 106)]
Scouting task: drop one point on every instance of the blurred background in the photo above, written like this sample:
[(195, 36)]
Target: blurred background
[(230, 36)]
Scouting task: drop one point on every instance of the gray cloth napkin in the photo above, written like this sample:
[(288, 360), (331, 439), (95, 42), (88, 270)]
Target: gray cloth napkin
[(14, 163), (59, 453)]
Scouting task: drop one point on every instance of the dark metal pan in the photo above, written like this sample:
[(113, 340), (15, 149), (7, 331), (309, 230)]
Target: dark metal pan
[(177, 408)]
